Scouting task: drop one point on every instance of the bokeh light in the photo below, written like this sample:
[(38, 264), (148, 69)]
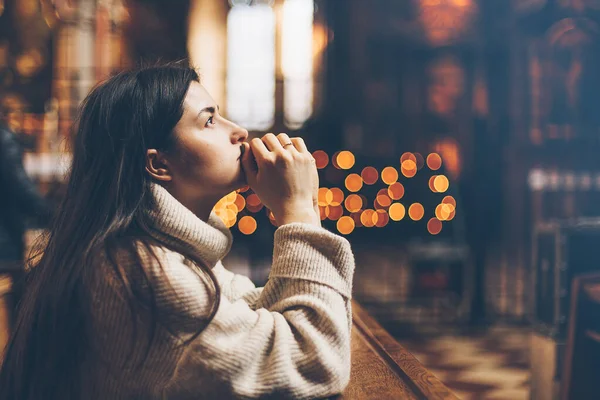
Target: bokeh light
[(431, 185), (240, 202), (321, 159), (408, 156), (253, 203), (345, 225), (434, 161), (354, 182), (353, 203), (449, 200), (397, 211), (434, 226), (368, 218), (369, 175), (416, 211), (334, 212), (444, 211), (396, 191), (335, 197), (345, 159), (382, 218), (383, 199), (408, 168), (441, 183), (247, 225), (322, 196), (389, 175), (419, 160)]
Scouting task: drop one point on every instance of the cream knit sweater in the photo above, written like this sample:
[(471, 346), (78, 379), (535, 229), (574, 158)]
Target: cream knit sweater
[(290, 339)]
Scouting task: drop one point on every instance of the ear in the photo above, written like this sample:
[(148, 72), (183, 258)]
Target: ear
[(157, 166)]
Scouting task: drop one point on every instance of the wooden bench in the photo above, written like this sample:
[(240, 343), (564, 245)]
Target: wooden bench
[(581, 367), (383, 369)]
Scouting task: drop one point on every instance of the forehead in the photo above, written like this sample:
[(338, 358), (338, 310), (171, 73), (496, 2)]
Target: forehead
[(197, 98)]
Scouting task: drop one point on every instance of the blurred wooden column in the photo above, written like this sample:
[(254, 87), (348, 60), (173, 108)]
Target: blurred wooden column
[(207, 45)]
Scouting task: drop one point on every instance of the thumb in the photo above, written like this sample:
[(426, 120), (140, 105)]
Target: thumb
[(249, 164)]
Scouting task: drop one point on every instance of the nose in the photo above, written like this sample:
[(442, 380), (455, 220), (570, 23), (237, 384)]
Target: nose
[(238, 134)]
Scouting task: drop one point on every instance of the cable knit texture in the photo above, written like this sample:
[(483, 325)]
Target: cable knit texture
[(290, 339)]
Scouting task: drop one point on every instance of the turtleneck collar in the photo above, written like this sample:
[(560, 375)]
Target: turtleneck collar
[(210, 241)]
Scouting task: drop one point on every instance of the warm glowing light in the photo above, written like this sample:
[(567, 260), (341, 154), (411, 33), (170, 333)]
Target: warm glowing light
[(323, 212), (353, 203), (356, 219), (240, 202), (441, 183), (383, 199), (449, 200), (408, 156), (444, 211), (321, 159), (230, 198), (434, 226), (434, 161), (369, 175), (247, 225), (449, 151), (345, 159), (251, 66), (368, 218), (431, 181), (345, 225), (416, 211), (253, 203), (396, 191), (297, 61), (382, 218), (335, 197), (334, 212), (397, 211), (354, 182), (408, 168), (389, 175), (244, 189), (334, 160), (322, 196)]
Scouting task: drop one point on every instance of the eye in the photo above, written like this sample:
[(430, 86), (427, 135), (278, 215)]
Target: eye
[(210, 121)]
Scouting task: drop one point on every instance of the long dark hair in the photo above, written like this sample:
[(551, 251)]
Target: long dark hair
[(104, 211)]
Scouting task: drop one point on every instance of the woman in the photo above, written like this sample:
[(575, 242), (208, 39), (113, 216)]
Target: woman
[(130, 300)]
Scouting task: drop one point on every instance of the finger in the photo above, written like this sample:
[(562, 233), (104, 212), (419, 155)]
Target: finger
[(260, 151), (249, 164), (272, 143), (300, 145), (285, 141)]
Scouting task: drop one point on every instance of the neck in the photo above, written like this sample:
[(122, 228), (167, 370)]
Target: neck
[(201, 206)]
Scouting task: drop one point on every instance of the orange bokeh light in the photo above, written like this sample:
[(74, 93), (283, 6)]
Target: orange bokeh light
[(441, 183), (253, 203), (408, 156), (321, 159), (434, 226), (334, 212), (345, 225), (416, 211), (449, 200), (408, 168), (368, 218), (353, 203), (396, 191), (389, 175), (397, 211), (247, 225), (382, 218), (345, 159), (434, 161), (322, 196), (369, 175), (240, 202), (335, 196), (431, 186), (354, 182)]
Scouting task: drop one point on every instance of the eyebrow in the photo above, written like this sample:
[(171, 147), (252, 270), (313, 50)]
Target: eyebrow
[(208, 109)]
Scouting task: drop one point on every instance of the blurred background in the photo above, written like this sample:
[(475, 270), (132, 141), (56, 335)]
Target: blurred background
[(456, 140)]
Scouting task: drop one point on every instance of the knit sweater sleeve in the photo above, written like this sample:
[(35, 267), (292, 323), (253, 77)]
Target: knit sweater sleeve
[(295, 344), (236, 286)]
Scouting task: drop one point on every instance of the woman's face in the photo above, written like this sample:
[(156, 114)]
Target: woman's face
[(205, 161)]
